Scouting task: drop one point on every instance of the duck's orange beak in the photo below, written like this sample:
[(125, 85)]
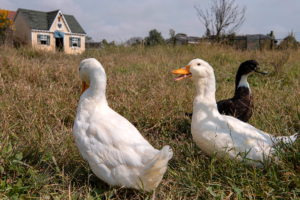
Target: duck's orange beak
[(183, 72), (84, 87)]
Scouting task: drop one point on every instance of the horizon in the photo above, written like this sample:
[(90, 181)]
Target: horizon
[(120, 21)]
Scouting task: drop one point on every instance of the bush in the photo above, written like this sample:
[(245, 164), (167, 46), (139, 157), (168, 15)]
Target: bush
[(289, 42)]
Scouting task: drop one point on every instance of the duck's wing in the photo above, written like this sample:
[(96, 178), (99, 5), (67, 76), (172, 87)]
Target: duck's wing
[(112, 140), (226, 106), (243, 129)]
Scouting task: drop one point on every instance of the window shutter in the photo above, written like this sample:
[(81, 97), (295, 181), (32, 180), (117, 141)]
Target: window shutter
[(70, 42), (48, 39), (79, 42), (39, 39)]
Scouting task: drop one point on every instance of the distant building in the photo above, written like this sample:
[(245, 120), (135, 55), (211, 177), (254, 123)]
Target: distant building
[(249, 42), (11, 15), (182, 39), (49, 30), (255, 41), (93, 45)]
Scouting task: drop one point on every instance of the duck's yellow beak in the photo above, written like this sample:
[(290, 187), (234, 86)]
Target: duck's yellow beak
[(183, 72), (260, 70), (84, 87)]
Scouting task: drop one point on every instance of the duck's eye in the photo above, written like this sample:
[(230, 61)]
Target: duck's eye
[(198, 64)]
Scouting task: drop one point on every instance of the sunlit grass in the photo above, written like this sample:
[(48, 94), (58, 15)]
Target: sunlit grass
[(39, 95)]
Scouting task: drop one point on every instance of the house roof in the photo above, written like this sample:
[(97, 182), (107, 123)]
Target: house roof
[(43, 20), (11, 15), (189, 39), (73, 24), (254, 37)]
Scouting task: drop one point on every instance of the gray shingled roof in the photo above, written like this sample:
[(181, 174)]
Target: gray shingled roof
[(50, 17), (43, 20), (73, 24)]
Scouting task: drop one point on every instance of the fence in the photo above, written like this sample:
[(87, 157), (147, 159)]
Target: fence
[(252, 42), (279, 36), (258, 41), (244, 42)]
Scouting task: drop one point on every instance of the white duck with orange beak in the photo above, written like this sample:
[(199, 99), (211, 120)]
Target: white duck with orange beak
[(115, 150), (223, 134)]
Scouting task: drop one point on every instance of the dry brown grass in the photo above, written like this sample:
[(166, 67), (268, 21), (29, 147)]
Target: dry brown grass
[(39, 96)]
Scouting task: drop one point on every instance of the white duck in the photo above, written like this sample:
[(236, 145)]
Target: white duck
[(214, 132), (115, 150)]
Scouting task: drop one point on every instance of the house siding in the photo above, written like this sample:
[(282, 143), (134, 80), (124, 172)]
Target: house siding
[(54, 26), (35, 44), (22, 31), (72, 50)]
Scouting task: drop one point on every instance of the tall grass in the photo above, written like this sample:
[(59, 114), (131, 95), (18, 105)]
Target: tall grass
[(39, 96)]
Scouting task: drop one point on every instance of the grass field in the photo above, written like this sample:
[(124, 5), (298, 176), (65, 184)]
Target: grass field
[(39, 93)]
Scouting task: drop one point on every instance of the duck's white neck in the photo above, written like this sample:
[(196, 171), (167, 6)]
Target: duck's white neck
[(244, 82), (205, 98), (97, 88)]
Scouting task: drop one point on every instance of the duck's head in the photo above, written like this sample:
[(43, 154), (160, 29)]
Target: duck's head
[(250, 67), (89, 70), (196, 69)]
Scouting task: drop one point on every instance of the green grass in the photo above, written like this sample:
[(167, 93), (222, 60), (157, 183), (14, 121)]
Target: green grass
[(39, 96)]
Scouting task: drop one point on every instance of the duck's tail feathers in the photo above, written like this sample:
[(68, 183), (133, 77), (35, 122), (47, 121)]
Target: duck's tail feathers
[(153, 172), (288, 139)]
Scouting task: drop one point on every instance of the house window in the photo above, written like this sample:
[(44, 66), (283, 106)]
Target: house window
[(43, 39), (75, 42)]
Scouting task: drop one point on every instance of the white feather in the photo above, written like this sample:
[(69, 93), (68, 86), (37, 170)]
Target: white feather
[(214, 132), (244, 82), (115, 150)]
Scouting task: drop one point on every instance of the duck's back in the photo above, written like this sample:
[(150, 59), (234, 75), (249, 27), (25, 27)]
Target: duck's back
[(240, 106), (220, 133)]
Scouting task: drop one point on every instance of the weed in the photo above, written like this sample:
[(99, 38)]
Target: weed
[(39, 97)]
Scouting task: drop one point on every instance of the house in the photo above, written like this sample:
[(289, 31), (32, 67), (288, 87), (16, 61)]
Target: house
[(49, 30), (11, 15)]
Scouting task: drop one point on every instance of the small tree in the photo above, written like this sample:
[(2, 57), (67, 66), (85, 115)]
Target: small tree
[(104, 42), (134, 41), (289, 42), (4, 23), (154, 38), (172, 35), (112, 44), (223, 16), (89, 39)]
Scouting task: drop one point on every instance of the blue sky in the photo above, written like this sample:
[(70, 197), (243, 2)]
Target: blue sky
[(120, 20)]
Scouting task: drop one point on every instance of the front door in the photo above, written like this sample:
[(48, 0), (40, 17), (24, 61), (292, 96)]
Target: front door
[(59, 44)]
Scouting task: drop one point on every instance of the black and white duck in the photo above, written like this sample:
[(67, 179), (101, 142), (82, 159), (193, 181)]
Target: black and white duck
[(241, 104)]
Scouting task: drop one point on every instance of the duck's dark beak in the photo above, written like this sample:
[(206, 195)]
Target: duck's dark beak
[(260, 70), (84, 87), (184, 73)]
